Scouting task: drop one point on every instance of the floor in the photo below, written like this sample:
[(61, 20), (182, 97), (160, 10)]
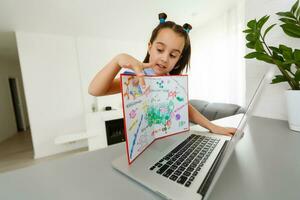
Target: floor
[(17, 152)]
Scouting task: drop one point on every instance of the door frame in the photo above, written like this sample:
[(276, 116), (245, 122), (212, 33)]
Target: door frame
[(20, 106)]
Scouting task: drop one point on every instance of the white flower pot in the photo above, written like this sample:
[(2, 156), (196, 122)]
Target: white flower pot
[(293, 109)]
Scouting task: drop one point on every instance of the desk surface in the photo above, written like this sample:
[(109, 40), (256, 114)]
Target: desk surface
[(264, 165)]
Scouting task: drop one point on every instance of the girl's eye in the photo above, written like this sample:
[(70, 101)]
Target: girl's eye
[(160, 50), (173, 56)]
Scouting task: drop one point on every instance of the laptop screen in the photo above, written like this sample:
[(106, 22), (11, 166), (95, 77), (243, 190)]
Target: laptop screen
[(229, 147)]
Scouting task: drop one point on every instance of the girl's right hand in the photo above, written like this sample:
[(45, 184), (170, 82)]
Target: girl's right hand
[(129, 62)]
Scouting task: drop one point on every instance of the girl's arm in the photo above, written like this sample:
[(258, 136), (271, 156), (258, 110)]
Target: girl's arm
[(104, 83), (196, 117)]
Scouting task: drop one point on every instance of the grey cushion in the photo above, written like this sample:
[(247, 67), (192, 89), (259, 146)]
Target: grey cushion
[(213, 111)]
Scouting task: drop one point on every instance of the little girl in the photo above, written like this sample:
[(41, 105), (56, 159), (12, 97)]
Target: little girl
[(169, 52)]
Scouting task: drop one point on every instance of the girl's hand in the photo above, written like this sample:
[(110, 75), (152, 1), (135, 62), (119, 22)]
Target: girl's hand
[(129, 62), (223, 130)]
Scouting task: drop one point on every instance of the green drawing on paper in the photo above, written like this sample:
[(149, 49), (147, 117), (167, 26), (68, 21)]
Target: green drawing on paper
[(179, 98), (157, 111), (159, 114)]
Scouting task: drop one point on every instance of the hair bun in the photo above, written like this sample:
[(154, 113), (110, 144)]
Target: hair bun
[(187, 27), (162, 16)]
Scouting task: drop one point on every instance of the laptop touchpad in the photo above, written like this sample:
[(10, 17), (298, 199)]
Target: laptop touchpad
[(165, 144)]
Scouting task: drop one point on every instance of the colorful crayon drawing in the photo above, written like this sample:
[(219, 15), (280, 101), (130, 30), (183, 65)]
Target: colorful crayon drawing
[(159, 110)]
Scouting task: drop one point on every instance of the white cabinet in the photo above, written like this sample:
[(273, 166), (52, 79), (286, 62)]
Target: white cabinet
[(95, 125), (95, 130)]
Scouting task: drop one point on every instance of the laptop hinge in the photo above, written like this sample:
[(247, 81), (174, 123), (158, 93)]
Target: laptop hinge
[(211, 173)]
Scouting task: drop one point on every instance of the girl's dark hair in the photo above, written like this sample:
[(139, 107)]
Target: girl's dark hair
[(184, 60)]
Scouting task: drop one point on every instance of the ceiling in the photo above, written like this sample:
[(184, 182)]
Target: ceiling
[(129, 20)]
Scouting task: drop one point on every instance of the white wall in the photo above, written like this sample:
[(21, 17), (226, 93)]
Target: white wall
[(217, 65), (272, 102), (57, 71), (9, 69), (93, 54), (53, 89)]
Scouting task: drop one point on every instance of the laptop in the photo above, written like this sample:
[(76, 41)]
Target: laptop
[(187, 165)]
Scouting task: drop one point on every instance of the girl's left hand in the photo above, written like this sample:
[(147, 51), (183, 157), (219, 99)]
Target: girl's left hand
[(222, 130)]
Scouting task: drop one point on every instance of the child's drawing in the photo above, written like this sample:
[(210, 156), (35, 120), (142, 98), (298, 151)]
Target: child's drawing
[(159, 110)]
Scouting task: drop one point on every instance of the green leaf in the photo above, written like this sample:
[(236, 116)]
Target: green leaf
[(252, 24), (288, 62), (291, 30), (265, 57), (286, 14), (251, 37), (260, 56), (248, 31), (287, 67), (250, 45), (288, 21), (297, 55), (287, 52), (295, 6), (278, 79), (259, 47), (278, 63), (287, 55), (298, 14), (285, 48), (291, 34), (279, 60), (267, 30), (262, 21), (275, 49), (277, 57), (297, 75), (252, 55)]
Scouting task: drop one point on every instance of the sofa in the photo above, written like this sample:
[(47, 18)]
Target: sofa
[(213, 111)]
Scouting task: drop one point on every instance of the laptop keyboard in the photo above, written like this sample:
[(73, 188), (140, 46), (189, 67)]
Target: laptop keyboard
[(183, 163)]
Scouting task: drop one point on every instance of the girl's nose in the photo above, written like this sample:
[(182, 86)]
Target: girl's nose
[(164, 57)]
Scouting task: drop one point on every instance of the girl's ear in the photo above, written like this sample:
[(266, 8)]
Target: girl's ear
[(149, 46)]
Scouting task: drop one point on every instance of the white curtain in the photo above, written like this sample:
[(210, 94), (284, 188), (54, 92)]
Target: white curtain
[(217, 65)]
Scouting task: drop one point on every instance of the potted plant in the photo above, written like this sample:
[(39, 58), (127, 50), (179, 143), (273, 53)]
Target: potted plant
[(286, 59)]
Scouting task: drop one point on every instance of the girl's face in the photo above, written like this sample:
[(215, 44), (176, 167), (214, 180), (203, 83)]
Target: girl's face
[(165, 51)]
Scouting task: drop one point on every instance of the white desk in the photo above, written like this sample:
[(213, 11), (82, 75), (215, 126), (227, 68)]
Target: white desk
[(265, 165)]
